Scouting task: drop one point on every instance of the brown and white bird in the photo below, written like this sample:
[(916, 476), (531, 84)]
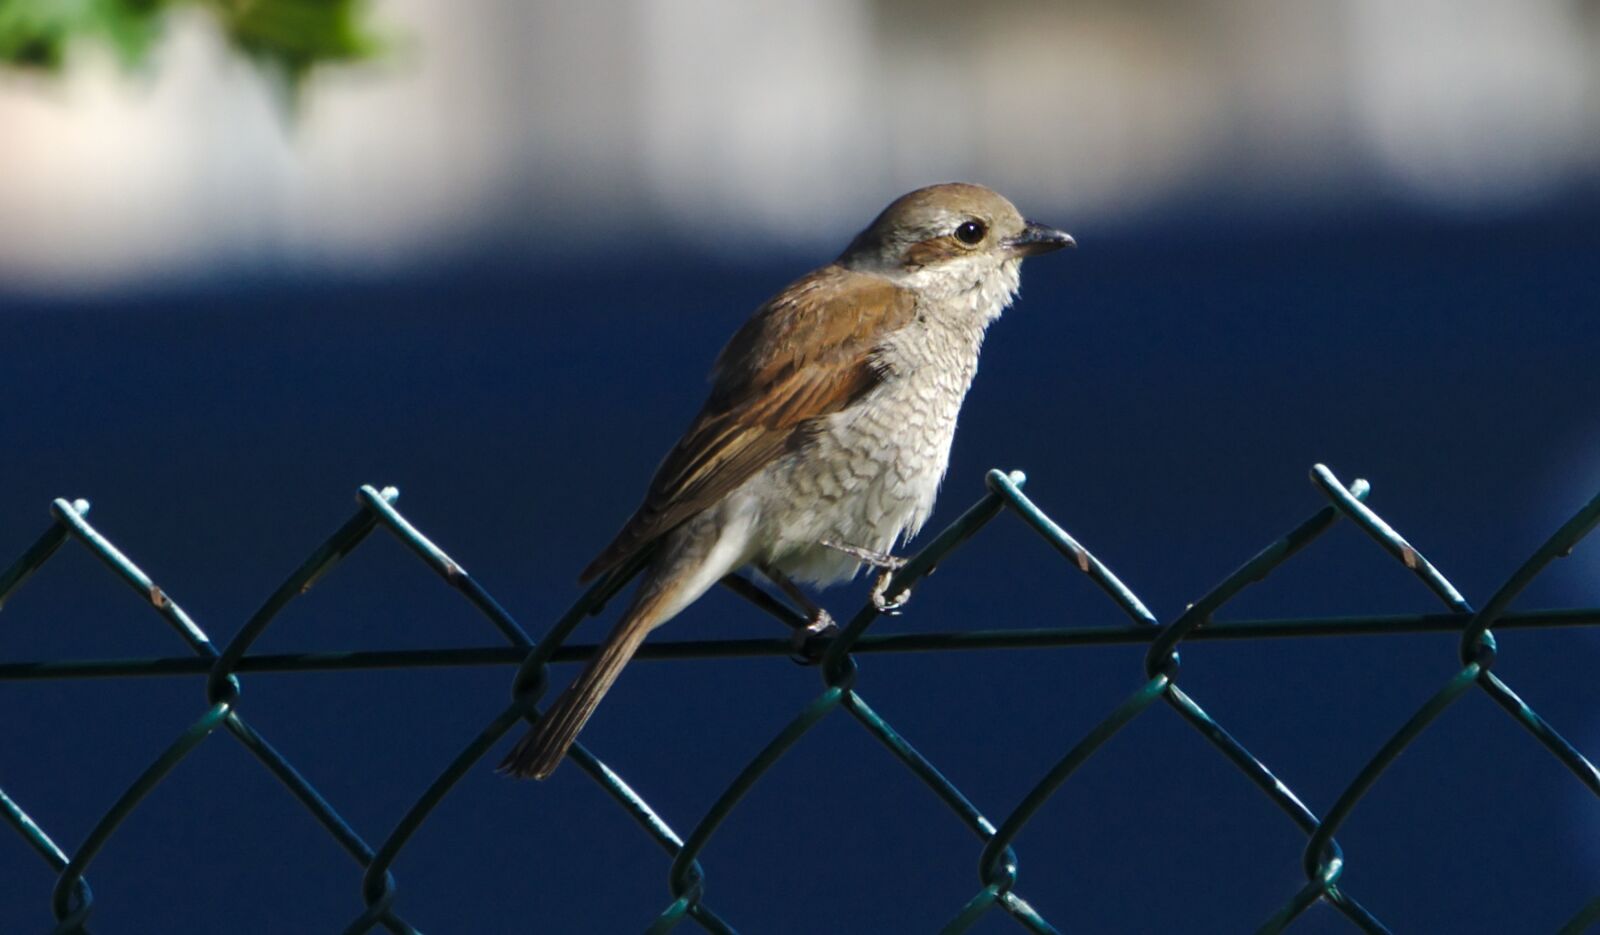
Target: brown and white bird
[(827, 431)]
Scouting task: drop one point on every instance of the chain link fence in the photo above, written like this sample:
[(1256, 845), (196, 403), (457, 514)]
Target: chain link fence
[(72, 901)]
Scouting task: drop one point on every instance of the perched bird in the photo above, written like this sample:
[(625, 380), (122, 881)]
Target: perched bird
[(827, 431)]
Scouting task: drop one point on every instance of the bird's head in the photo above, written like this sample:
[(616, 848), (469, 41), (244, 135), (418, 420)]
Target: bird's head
[(950, 239)]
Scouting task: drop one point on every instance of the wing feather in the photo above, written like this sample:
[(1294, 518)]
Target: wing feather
[(808, 352)]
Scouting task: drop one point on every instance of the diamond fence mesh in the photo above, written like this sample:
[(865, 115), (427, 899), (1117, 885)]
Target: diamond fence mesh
[(72, 901)]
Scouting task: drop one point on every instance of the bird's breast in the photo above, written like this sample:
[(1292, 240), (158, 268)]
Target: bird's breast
[(868, 475)]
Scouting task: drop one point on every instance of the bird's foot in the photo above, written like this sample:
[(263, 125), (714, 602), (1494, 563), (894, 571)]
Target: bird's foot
[(881, 600), (818, 621), (887, 564), (821, 624)]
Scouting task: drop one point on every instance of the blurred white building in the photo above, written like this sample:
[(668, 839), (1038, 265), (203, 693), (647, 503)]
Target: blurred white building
[(736, 125)]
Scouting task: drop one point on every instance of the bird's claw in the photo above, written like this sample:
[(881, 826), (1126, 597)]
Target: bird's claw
[(800, 651), (881, 600), (887, 565)]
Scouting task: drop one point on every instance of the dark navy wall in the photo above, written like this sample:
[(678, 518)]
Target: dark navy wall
[(1166, 392)]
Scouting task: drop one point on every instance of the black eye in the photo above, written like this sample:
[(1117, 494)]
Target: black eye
[(971, 233)]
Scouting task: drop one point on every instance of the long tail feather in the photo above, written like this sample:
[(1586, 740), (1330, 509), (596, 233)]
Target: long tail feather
[(543, 748)]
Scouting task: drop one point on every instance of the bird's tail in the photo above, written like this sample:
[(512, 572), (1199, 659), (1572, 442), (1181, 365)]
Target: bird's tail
[(543, 747)]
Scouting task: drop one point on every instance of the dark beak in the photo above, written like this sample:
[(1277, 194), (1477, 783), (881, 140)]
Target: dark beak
[(1038, 238)]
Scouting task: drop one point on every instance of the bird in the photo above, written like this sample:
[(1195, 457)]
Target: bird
[(826, 433)]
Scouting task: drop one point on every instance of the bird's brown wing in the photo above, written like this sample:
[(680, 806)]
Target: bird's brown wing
[(808, 352)]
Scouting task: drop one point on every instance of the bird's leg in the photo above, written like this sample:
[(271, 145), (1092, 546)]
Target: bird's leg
[(887, 565), (819, 621)]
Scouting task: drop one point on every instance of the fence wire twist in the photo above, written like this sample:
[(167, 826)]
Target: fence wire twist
[(72, 900)]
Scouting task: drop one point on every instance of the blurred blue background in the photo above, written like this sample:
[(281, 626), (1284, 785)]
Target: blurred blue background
[(492, 265)]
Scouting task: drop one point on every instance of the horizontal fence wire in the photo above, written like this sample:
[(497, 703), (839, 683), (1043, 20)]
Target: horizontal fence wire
[(72, 900)]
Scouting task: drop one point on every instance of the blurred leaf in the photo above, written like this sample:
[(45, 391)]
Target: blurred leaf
[(33, 33), (131, 26), (293, 36), (285, 37)]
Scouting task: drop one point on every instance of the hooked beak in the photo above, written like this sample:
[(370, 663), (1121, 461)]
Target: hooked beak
[(1039, 238)]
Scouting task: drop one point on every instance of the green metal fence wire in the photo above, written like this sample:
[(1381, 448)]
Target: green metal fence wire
[(72, 901)]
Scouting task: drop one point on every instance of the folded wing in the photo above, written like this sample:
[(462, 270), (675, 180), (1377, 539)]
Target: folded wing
[(809, 352)]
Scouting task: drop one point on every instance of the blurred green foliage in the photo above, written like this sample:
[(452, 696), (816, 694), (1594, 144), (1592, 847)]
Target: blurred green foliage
[(285, 37)]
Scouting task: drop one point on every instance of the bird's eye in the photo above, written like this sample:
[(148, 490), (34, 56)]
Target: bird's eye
[(971, 233)]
